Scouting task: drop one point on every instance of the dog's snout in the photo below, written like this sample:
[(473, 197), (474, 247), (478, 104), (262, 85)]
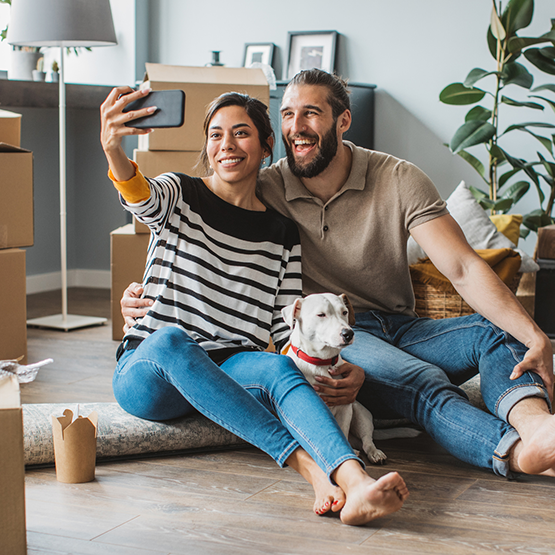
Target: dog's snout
[(347, 334)]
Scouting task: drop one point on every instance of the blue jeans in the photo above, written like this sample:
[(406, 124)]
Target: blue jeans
[(414, 366), (261, 397)]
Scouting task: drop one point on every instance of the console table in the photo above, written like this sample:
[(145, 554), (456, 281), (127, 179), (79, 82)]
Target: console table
[(39, 94)]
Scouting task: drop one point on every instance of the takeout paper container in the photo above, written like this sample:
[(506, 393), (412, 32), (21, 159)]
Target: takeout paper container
[(75, 447)]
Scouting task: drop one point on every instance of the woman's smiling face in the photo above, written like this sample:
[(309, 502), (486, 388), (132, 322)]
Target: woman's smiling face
[(233, 146)]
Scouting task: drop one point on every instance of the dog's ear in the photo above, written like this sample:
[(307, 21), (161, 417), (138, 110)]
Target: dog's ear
[(348, 304), (290, 312)]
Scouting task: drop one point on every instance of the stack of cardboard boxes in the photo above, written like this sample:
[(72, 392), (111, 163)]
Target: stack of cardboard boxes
[(175, 149), (16, 231)]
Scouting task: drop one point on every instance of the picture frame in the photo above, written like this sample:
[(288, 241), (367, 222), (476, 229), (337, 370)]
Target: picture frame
[(310, 49), (262, 52)]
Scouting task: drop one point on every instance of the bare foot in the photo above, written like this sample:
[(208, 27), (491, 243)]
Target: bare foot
[(374, 499), (327, 496), (537, 455)]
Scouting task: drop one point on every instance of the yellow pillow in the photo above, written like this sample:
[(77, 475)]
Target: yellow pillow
[(508, 225)]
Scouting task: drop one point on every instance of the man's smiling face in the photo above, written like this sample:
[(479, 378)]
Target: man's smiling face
[(309, 129)]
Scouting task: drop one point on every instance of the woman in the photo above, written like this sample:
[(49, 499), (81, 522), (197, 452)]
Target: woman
[(220, 267)]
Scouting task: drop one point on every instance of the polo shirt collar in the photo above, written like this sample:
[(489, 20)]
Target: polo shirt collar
[(294, 189)]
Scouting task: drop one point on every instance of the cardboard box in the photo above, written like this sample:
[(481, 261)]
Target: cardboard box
[(201, 85), (154, 163), (16, 197), (10, 128), (12, 470), (128, 260), (13, 305), (546, 242)]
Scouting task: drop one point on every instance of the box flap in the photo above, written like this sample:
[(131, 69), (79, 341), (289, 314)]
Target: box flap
[(9, 392), (206, 75), (6, 114), (4, 147)]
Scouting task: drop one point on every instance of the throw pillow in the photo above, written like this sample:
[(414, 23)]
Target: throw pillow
[(508, 225)]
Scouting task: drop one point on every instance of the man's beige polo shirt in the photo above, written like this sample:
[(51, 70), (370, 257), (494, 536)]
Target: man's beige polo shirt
[(356, 242)]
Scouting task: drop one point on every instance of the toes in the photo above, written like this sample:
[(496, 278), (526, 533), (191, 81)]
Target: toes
[(323, 508)]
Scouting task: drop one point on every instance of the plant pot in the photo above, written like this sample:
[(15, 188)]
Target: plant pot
[(39, 75), (54, 76), (22, 65)]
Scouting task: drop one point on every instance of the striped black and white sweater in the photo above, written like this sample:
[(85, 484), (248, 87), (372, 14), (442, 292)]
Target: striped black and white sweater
[(219, 272)]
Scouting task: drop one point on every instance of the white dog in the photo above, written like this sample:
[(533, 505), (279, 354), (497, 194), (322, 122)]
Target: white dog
[(321, 325)]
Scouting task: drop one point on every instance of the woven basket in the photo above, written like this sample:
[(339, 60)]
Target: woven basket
[(436, 304)]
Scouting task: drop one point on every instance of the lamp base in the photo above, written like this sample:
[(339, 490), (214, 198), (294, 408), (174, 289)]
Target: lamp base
[(66, 323)]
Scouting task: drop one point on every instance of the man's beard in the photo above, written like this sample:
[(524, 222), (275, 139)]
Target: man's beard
[(326, 152)]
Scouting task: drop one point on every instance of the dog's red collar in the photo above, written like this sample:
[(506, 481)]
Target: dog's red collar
[(313, 360)]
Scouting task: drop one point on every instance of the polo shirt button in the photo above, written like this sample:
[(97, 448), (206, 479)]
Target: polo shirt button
[(325, 207), (326, 228)]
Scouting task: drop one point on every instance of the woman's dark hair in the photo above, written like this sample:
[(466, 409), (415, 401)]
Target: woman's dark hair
[(256, 110), (338, 92)]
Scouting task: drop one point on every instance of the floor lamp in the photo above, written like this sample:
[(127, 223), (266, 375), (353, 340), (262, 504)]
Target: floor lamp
[(63, 24)]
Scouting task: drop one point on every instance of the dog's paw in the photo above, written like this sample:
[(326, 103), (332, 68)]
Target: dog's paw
[(376, 456)]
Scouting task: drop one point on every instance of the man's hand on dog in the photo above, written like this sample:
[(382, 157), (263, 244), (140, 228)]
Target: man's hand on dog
[(133, 306), (341, 392)]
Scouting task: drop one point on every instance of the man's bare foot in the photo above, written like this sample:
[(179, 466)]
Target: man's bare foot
[(537, 454), (374, 499)]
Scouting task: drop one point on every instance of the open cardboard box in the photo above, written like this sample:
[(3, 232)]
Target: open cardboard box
[(16, 197), (12, 470), (10, 128), (201, 85)]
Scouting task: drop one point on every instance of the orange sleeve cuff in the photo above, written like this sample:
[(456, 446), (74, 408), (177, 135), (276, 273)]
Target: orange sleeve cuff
[(133, 190)]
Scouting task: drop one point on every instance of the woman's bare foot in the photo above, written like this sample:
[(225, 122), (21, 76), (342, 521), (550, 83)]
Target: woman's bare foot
[(368, 499), (327, 496)]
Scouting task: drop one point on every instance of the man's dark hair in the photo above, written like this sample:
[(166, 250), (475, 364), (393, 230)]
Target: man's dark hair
[(256, 110), (338, 92)]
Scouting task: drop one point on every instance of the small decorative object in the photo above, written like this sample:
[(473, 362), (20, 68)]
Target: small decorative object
[(310, 49), (39, 73), (504, 175), (54, 73), (259, 52), (215, 59)]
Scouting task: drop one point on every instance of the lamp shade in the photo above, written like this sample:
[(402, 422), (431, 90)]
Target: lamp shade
[(66, 23)]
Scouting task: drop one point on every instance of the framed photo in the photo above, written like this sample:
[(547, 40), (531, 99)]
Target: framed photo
[(310, 49), (259, 52)]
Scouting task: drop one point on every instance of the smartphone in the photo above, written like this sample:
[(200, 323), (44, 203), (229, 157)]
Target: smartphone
[(170, 112)]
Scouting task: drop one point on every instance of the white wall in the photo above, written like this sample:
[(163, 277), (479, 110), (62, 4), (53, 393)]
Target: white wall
[(410, 50)]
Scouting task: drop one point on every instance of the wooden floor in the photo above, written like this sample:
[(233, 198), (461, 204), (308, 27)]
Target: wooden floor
[(240, 502)]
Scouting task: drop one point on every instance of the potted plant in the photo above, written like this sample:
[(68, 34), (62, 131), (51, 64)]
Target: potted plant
[(507, 175)]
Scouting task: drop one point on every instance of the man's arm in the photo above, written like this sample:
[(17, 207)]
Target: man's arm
[(445, 244), (133, 306)]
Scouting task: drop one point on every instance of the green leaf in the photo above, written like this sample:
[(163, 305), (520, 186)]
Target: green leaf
[(511, 102), (547, 87), (547, 100), (529, 124), (498, 154), (475, 75), (472, 133), (478, 112), (516, 44), (502, 205), (516, 74), (486, 203), (496, 26), (516, 191), (549, 166), (517, 15), (535, 57), (506, 176), (459, 95), (536, 219), (477, 193), (474, 162)]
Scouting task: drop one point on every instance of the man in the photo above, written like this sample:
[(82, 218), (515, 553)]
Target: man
[(355, 209)]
